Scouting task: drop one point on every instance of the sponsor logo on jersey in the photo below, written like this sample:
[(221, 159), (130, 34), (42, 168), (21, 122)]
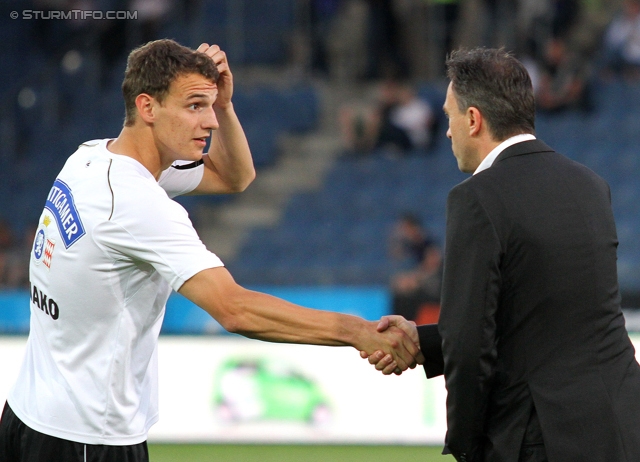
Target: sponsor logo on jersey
[(46, 304), (43, 246), (61, 204)]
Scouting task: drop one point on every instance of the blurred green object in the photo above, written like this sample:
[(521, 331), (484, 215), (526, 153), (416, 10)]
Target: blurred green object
[(261, 389), (293, 453)]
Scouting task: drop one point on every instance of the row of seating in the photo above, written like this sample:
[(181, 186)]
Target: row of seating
[(339, 234), (253, 31)]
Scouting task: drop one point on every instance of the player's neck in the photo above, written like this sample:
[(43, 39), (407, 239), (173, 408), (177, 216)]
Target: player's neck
[(137, 143)]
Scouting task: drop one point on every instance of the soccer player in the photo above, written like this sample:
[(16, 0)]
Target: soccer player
[(111, 245)]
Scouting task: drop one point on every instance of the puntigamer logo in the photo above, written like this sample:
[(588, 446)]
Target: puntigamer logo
[(60, 203)]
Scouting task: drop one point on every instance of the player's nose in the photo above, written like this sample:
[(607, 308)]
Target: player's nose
[(210, 121)]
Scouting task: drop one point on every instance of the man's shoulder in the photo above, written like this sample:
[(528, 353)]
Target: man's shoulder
[(522, 175), (480, 181), (469, 190)]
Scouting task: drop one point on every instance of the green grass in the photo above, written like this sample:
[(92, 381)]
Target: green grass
[(293, 453)]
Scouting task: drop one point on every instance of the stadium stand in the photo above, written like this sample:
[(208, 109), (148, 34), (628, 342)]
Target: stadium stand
[(336, 235)]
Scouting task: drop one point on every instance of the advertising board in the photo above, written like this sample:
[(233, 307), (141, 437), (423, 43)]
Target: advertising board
[(228, 389)]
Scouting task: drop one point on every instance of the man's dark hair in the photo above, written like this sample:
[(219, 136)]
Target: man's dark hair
[(498, 85), (151, 68)]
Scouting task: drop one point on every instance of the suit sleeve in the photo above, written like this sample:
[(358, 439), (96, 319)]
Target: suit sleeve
[(431, 347), (471, 288)]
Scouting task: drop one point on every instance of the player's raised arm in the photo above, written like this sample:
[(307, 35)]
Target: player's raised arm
[(264, 317), (228, 164)]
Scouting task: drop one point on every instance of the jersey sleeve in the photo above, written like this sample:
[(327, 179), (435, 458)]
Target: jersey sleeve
[(158, 233), (181, 177)]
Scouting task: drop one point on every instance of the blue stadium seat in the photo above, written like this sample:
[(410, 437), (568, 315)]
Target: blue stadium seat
[(250, 32), (262, 137)]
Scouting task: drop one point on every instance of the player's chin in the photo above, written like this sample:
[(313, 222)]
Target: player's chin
[(193, 152), (200, 144)]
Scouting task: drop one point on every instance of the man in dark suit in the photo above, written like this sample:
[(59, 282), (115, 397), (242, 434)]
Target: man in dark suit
[(537, 361)]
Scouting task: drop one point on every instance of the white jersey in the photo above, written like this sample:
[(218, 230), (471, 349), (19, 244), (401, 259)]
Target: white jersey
[(109, 248), (181, 178)]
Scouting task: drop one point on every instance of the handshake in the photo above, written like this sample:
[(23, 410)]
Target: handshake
[(401, 349)]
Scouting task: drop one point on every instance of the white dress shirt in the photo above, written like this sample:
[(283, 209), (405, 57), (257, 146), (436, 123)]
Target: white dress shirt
[(491, 157)]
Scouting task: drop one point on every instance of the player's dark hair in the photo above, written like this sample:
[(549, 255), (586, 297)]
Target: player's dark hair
[(151, 68), (498, 85)]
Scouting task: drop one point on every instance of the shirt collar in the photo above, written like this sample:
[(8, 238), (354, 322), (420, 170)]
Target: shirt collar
[(491, 157)]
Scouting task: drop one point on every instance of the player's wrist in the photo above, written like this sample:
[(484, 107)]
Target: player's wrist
[(222, 108), (360, 335)]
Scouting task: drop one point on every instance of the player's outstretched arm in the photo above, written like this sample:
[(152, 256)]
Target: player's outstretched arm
[(264, 317), (385, 362), (228, 164)]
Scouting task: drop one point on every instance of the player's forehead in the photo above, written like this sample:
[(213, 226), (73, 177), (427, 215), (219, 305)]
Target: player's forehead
[(186, 86)]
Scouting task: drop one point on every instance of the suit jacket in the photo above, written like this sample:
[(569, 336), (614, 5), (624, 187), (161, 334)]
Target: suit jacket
[(531, 320)]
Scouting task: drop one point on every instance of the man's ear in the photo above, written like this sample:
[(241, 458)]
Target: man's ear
[(146, 107), (474, 120)]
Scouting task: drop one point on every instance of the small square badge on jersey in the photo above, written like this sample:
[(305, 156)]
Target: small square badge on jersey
[(48, 253)]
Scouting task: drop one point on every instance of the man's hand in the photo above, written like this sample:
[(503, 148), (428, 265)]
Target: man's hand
[(385, 362), (225, 81), (393, 342)]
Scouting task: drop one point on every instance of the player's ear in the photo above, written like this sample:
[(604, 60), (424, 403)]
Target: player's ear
[(145, 104)]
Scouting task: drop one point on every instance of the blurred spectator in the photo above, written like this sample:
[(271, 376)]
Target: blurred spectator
[(542, 20), (14, 271), (621, 46), (322, 14), (416, 293), (412, 115), (565, 14), (416, 286), (400, 120), (346, 41), (408, 241), (385, 56), (6, 243), (563, 79), (533, 68), (500, 23), (115, 37), (443, 22)]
